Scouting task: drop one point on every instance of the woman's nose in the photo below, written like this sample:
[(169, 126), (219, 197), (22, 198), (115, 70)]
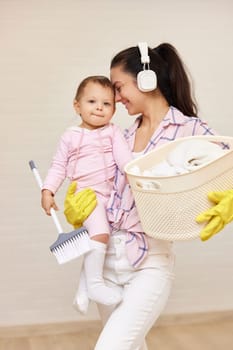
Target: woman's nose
[(117, 97)]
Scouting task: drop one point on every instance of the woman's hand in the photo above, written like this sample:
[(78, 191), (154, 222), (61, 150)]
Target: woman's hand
[(47, 201), (79, 206), (217, 216)]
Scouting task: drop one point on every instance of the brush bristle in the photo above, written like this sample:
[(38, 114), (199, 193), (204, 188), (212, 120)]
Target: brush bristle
[(71, 248)]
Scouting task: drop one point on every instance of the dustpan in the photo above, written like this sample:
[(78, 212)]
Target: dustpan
[(168, 211)]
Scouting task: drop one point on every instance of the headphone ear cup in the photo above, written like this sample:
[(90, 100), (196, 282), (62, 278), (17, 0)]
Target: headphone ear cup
[(147, 80)]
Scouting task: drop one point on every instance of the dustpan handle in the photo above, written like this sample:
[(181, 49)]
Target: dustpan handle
[(40, 183)]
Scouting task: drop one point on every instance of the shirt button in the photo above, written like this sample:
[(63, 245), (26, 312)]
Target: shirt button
[(117, 240)]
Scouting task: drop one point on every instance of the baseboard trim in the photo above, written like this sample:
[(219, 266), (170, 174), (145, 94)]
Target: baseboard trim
[(198, 317), (49, 328), (95, 325)]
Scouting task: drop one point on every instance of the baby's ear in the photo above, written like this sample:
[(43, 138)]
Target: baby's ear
[(76, 106)]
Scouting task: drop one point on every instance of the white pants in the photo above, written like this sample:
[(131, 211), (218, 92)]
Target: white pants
[(145, 293)]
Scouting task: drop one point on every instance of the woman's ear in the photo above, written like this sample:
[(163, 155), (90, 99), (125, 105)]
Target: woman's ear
[(76, 106)]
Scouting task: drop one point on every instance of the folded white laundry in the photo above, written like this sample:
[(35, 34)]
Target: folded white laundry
[(193, 154), (186, 157)]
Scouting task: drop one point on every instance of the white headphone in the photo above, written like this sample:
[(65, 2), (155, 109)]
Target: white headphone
[(146, 79)]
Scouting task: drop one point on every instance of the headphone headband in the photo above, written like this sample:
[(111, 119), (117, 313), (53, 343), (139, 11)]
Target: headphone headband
[(143, 48)]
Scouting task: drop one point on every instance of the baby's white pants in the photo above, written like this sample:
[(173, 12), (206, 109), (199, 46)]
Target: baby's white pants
[(145, 293)]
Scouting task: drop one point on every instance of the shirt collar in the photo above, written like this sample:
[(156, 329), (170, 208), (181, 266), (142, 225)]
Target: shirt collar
[(173, 116)]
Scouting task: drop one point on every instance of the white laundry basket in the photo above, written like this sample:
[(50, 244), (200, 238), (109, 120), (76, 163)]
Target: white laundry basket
[(169, 210)]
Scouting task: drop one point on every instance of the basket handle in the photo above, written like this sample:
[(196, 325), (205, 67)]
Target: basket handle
[(148, 185)]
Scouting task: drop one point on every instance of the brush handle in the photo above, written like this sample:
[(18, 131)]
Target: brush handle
[(40, 183)]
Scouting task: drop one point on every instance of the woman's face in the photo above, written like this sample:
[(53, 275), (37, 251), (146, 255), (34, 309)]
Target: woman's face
[(127, 91)]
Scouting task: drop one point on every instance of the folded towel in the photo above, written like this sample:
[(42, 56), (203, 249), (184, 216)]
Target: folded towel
[(193, 154)]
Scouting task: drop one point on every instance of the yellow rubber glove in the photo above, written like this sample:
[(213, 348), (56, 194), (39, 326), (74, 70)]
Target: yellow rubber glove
[(77, 207), (217, 216)]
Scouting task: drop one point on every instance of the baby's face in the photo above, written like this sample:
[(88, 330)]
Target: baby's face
[(96, 106)]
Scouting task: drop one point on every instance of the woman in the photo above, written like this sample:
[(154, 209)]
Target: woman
[(139, 267)]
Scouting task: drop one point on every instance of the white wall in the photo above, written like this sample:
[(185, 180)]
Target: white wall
[(47, 47)]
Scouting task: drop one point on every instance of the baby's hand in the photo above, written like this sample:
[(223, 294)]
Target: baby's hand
[(47, 201)]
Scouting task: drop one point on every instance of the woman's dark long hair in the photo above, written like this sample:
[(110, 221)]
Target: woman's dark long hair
[(172, 79)]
